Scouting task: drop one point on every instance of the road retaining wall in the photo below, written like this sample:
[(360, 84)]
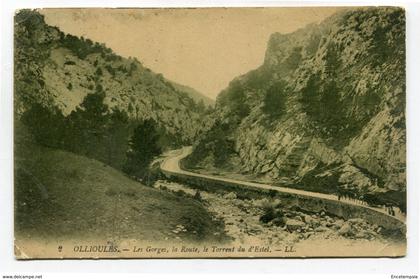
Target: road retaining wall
[(307, 203)]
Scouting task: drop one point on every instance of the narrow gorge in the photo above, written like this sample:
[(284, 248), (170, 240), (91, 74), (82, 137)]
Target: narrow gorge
[(325, 112)]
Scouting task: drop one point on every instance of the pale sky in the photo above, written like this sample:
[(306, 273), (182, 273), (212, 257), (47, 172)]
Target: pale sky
[(201, 48)]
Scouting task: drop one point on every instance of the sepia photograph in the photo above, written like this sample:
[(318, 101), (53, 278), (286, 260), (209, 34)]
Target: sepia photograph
[(269, 132)]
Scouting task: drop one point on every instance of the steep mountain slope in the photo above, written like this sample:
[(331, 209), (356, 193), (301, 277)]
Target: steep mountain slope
[(325, 111), (55, 69), (194, 94)]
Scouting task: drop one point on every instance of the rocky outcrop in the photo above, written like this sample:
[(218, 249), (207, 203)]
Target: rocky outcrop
[(57, 69), (326, 109)]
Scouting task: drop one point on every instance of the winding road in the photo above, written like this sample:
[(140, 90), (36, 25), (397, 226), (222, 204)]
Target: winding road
[(171, 165)]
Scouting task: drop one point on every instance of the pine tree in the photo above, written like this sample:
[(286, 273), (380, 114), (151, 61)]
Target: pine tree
[(143, 147), (274, 101), (87, 124), (116, 143)]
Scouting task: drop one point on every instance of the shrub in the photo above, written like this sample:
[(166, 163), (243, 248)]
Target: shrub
[(271, 211), (110, 192), (197, 196), (268, 215), (272, 193), (274, 101), (180, 193)]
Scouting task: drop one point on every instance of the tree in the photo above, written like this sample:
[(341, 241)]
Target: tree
[(332, 113), (45, 124), (235, 99), (274, 101), (217, 142), (143, 147), (93, 107), (87, 125), (310, 96), (200, 107), (116, 139), (332, 61)]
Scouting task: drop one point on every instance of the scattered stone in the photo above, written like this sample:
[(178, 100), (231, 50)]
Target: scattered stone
[(230, 196), (308, 234), (320, 229), (292, 224), (298, 218), (286, 225), (279, 221), (276, 202), (345, 229), (261, 202), (338, 224), (356, 221), (308, 219)]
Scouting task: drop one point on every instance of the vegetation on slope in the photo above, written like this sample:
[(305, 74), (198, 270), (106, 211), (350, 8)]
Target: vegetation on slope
[(65, 196), (54, 69), (325, 111), (78, 95)]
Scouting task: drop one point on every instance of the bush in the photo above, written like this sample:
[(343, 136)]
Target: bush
[(271, 212), (274, 101), (69, 63), (47, 125), (272, 193), (216, 142), (110, 192), (180, 193), (197, 196), (110, 70), (81, 47), (268, 215)]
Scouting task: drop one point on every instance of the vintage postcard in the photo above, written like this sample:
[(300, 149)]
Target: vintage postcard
[(209, 132)]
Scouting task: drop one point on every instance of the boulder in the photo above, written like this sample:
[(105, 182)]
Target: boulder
[(230, 196), (345, 229), (261, 202), (338, 224), (356, 221), (321, 229), (298, 218), (292, 224), (276, 202), (279, 221), (361, 235), (308, 219)]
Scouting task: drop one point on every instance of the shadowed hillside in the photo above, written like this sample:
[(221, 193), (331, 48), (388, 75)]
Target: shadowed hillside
[(325, 112), (64, 196), (57, 69)]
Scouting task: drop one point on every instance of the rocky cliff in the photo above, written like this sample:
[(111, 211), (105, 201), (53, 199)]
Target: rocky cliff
[(57, 69), (325, 111)]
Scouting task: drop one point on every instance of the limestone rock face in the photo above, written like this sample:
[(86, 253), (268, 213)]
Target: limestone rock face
[(55, 69), (325, 110)]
